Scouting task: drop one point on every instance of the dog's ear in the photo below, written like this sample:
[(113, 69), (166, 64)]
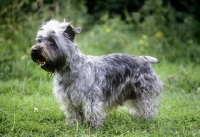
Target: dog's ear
[(72, 31)]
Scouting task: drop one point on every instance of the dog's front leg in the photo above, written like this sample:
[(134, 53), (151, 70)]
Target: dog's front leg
[(72, 113), (94, 113)]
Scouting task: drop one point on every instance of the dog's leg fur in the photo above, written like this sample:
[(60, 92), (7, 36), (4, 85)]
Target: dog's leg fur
[(94, 112)]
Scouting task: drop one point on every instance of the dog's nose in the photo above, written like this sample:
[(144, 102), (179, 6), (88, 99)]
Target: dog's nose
[(34, 50)]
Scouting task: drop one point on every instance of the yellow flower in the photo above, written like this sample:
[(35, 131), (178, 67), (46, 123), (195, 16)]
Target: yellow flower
[(146, 44), (144, 36), (141, 42), (107, 30), (142, 48), (158, 34), (23, 57), (198, 89)]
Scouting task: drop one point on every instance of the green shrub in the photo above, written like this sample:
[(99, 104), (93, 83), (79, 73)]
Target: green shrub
[(174, 39), (112, 36)]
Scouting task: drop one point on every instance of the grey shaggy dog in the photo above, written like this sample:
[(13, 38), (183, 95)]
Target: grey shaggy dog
[(88, 86)]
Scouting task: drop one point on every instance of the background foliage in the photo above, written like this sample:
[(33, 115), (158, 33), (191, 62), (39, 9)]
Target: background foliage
[(172, 26), (165, 29)]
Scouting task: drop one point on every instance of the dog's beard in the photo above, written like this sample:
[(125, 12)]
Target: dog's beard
[(51, 65), (45, 64), (38, 58)]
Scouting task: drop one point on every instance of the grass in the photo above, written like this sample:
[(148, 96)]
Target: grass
[(28, 108)]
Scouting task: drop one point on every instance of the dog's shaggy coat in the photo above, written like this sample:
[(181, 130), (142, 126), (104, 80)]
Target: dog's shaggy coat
[(88, 86)]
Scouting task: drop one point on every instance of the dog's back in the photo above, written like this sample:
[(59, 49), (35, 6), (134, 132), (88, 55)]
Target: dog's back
[(125, 76)]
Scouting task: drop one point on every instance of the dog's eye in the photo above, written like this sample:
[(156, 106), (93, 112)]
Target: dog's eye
[(52, 42), (39, 41)]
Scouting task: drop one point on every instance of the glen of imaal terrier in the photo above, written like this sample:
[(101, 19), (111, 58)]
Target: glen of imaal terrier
[(88, 86)]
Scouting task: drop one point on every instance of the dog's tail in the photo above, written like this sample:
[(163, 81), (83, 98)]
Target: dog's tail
[(151, 59)]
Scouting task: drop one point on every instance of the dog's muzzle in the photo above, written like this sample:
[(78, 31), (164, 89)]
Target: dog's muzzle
[(36, 55)]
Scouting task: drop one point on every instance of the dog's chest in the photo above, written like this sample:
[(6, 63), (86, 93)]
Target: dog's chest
[(62, 85)]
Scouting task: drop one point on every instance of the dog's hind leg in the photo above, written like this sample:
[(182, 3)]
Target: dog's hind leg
[(147, 90), (142, 106), (145, 105)]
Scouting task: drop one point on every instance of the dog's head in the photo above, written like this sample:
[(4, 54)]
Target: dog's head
[(55, 43)]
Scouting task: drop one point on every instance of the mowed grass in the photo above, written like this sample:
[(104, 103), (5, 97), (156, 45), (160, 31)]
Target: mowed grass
[(28, 108)]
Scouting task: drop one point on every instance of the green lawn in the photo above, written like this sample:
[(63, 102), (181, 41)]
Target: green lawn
[(28, 108)]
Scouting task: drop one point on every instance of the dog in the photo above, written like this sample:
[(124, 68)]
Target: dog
[(87, 87)]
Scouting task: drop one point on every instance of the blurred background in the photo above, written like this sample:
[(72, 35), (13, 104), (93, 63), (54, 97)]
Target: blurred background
[(166, 29)]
